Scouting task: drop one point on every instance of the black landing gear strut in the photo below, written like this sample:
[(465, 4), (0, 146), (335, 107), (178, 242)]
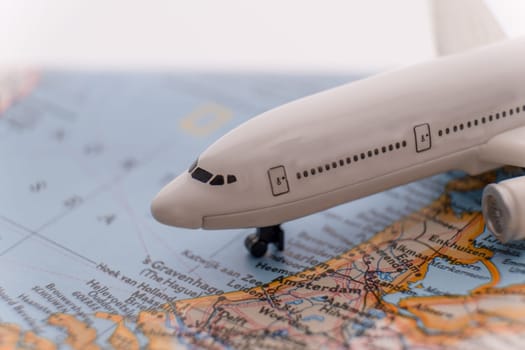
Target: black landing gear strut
[(257, 243)]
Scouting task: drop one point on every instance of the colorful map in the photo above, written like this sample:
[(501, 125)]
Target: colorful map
[(85, 266)]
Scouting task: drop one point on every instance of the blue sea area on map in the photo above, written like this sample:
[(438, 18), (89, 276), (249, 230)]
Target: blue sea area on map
[(318, 318), (470, 201), (507, 257), (466, 202), (379, 314), (86, 152), (437, 280), (385, 276)]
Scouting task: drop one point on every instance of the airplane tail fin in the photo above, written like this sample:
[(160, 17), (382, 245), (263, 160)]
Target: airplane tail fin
[(460, 25)]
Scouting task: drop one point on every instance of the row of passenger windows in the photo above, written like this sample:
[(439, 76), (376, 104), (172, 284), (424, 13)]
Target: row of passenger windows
[(204, 176), (348, 160), (479, 121)]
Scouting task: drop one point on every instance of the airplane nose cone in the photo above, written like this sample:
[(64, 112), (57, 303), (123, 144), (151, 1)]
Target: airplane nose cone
[(172, 207)]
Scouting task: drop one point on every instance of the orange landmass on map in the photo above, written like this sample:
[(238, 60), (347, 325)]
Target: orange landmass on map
[(33, 341), (122, 337), (155, 327), (345, 289), (79, 334), (459, 320), (341, 303), (447, 313), (11, 337)]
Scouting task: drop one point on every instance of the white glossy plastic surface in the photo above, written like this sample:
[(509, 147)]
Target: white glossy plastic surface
[(458, 112), (455, 32), (503, 209), (357, 120)]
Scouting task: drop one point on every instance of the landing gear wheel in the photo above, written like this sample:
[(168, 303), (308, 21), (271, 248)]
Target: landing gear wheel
[(257, 243), (255, 246)]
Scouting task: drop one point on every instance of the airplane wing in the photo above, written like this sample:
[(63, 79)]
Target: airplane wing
[(460, 25), (507, 148)]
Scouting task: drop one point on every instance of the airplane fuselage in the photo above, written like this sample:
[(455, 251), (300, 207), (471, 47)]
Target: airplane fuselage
[(356, 140)]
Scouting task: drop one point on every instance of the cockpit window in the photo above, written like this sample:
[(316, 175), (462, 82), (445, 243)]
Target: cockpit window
[(201, 175), (218, 180), (193, 166), (204, 176)]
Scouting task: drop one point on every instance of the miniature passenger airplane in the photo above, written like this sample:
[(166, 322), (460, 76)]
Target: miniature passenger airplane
[(463, 111)]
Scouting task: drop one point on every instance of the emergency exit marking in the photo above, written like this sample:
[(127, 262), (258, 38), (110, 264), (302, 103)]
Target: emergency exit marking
[(278, 180), (423, 138)]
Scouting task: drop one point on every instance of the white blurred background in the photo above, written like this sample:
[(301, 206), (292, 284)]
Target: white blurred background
[(270, 35)]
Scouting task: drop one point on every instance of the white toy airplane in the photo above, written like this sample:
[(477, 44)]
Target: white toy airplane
[(463, 111)]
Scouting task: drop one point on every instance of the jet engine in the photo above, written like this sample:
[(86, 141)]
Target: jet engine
[(503, 206)]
